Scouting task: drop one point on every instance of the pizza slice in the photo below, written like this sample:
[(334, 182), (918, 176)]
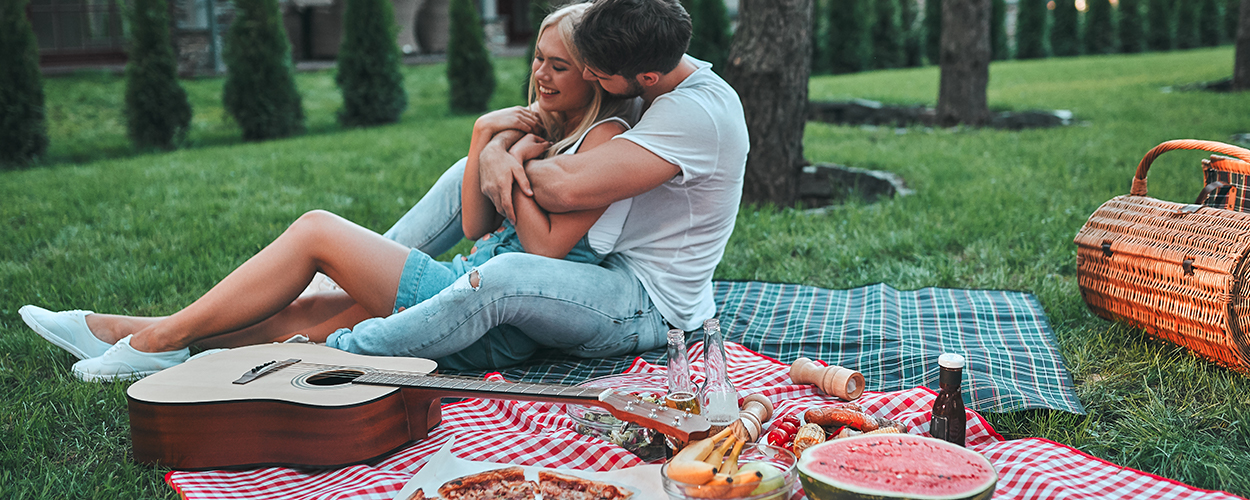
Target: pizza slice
[(417, 495), (556, 486), (498, 484)]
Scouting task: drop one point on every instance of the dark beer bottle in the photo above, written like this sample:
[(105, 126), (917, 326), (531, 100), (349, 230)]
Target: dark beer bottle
[(949, 421)]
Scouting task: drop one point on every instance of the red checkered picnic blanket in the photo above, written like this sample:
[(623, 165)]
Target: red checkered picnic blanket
[(541, 434)]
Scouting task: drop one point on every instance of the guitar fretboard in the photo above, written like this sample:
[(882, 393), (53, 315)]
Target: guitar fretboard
[(471, 385)]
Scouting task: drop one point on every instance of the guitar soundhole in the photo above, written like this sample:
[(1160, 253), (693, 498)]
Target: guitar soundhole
[(333, 377)]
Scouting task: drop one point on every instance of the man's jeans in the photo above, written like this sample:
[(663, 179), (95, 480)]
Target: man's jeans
[(522, 303)]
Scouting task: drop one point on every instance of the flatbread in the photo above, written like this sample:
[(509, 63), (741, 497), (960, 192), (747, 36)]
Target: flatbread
[(556, 486), (499, 484)]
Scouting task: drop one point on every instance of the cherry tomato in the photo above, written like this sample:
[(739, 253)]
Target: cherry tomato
[(790, 428), (778, 437), (792, 419)]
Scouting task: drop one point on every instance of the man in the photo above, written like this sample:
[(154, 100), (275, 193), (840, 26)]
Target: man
[(683, 165)]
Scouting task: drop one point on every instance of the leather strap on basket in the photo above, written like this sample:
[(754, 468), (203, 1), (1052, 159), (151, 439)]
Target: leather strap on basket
[(1139, 180)]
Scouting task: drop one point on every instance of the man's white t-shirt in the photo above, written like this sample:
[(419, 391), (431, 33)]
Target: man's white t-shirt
[(675, 234)]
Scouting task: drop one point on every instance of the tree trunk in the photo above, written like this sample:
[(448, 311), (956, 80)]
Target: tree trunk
[(965, 63), (769, 64), (1241, 61)]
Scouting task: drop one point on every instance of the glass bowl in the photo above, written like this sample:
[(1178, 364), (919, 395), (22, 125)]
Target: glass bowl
[(780, 457), (593, 421)]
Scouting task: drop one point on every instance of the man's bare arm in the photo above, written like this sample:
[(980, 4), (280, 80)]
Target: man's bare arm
[(612, 172)]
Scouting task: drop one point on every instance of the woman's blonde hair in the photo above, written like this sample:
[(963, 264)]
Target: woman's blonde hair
[(602, 105)]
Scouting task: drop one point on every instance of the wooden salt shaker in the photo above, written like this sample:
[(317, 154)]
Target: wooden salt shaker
[(756, 409), (837, 381)]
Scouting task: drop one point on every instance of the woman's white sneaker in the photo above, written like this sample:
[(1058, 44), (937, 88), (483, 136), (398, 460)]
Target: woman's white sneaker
[(66, 329), (122, 362)]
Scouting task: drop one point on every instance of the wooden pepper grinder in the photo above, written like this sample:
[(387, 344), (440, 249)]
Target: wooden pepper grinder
[(837, 381), (756, 409)]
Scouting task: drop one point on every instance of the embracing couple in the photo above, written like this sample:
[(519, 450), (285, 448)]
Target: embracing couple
[(600, 210)]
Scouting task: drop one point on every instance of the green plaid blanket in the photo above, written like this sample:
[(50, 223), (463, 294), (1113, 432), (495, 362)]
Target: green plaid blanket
[(893, 337)]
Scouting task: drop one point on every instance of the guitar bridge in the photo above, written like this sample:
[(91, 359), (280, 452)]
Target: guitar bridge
[(264, 369)]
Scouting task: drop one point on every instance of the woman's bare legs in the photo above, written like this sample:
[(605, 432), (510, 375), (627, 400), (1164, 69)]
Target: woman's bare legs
[(366, 265), (314, 316)]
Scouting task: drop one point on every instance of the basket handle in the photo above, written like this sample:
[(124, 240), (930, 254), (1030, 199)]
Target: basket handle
[(1139, 180)]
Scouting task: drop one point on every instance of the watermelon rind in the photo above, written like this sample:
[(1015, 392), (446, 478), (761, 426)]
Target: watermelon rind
[(820, 486)]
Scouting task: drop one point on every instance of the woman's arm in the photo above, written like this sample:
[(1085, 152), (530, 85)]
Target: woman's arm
[(478, 215), (553, 235)]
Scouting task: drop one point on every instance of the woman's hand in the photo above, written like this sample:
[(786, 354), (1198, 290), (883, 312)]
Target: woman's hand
[(514, 118), (528, 148)]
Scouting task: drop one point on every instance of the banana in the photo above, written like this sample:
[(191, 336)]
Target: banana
[(696, 451), (730, 465), (691, 471), (744, 482), (718, 487), (718, 454)]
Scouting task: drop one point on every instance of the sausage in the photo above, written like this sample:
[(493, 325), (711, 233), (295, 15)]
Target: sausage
[(844, 415)]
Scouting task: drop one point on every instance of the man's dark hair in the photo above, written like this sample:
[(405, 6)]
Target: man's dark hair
[(629, 37)]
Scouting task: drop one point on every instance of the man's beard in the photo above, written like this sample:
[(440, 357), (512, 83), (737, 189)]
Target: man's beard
[(635, 89)]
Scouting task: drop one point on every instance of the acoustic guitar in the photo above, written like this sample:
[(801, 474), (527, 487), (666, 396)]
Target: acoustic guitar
[(306, 405)]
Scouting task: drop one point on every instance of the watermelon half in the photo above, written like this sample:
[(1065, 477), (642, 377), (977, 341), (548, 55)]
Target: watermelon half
[(885, 466)]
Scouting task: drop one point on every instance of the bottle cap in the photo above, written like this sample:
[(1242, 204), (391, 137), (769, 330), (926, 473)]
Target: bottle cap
[(951, 360)]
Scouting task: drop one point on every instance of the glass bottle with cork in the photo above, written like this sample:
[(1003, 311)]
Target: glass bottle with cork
[(949, 421), (681, 390), (718, 397)]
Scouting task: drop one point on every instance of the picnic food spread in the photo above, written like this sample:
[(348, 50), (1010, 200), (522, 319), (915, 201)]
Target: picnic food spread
[(895, 466)]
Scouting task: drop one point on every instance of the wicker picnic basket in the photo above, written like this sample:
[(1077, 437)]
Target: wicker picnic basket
[(1178, 271)]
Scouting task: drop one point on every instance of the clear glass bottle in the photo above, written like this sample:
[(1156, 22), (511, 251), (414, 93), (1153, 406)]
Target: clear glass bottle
[(718, 396), (949, 420), (681, 389)]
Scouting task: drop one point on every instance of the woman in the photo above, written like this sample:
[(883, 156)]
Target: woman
[(257, 303)]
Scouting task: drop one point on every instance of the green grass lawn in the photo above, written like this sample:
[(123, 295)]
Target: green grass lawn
[(100, 227)]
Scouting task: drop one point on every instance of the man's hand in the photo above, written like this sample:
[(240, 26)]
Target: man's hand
[(513, 118), (498, 169), (528, 148)]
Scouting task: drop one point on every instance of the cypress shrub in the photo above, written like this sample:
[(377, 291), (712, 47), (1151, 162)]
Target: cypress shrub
[(710, 35), (1130, 26), (998, 30), (158, 114), (23, 123), (887, 49), (1209, 23), (1099, 28), (1065, 36), (1186, 24), (368, 65), (470, 75), (1159, 25), (848, 36), (912, 51), (933, 30), (260, 81), (1031, 29)]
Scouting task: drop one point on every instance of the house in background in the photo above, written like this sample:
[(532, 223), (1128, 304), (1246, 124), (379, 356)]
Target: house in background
[(92, 33)]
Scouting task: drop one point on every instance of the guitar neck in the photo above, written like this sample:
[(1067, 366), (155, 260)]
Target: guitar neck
[(621, 404), (447, 386)]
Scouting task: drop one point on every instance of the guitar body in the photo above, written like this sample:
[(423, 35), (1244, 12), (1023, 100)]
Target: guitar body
[(193, 416)]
